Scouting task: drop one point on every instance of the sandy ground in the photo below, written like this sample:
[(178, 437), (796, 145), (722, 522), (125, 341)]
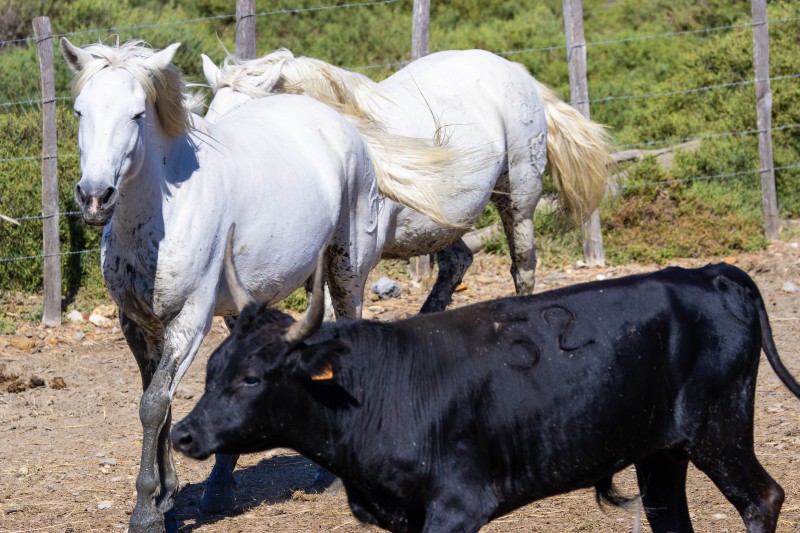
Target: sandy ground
[(70, 455)]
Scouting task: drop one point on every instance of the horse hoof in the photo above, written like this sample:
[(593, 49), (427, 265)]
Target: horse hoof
[(149, 523), (217, 500)]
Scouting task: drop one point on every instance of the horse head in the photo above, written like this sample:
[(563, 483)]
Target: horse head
[(117, 92)]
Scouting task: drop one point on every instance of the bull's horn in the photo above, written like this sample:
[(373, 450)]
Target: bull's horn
[(240, 295), (300, 331)]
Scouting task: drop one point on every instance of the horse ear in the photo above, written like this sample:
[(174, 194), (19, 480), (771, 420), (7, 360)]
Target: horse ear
[(76, 57), (161, 60), (268, 80), (211, 72)]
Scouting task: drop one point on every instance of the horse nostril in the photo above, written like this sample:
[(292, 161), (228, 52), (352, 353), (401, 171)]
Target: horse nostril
[(107, 195), (79, 194)]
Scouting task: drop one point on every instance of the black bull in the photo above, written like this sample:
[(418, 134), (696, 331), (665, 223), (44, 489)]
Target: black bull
[(443, 422)]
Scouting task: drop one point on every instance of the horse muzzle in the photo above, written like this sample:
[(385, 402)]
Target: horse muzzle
[(97, 207)]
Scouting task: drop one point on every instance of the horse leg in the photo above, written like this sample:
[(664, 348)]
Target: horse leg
[(517, 196), (330, 313), (219, 490), (453, 263), (157, 482)]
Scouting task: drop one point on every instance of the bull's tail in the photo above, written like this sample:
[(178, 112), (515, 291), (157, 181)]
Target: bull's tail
[(607, 493), (741, 278), (768, 345)]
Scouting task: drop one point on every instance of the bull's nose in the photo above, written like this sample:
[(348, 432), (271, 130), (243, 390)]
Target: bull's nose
[(182, 439)]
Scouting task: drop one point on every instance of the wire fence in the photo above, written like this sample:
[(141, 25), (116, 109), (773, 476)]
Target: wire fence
[(396, 65)]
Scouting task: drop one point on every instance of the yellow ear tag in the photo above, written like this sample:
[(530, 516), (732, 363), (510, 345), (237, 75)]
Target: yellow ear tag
[(327, 373)]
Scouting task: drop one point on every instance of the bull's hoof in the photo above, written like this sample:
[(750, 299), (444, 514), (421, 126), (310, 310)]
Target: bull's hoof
[(324, 481), (217, 499)]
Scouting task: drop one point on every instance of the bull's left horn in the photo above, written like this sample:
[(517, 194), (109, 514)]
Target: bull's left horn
[(300, 331), (240, 295)]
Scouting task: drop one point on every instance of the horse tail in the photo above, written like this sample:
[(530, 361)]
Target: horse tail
[(578, 151), (417, 173)]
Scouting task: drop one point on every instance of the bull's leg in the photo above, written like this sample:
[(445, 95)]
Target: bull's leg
[(453, 263), (219, 490), (662, 484), (724, 452), (157, 482), (735, 470)]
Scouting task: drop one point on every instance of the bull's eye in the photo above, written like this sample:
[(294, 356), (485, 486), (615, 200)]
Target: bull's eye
[(250, 381)]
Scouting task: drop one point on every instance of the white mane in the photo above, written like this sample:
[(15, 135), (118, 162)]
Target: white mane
[(164, 87), (420, 173)]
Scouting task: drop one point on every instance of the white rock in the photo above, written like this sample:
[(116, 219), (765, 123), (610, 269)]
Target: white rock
[(105, 505), (100, 321), (75, 316), (580, 264), (720, 516), (79, 336), (789, 286)]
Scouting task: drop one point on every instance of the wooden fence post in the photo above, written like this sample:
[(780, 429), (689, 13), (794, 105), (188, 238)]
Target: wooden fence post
[(52, 248), (420, 267), (246, 29), (579, 93), (769, 195), (419, 28)]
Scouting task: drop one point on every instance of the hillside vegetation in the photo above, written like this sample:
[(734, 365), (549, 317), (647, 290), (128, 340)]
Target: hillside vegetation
[(647, 221)]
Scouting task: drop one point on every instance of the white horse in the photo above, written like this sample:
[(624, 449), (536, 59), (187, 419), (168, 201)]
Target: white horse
[(167, 192), (474, 102)]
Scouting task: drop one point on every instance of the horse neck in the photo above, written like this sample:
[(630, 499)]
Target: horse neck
[(143, 193)]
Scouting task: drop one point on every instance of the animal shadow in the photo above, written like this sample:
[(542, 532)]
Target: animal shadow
[(270, 481)]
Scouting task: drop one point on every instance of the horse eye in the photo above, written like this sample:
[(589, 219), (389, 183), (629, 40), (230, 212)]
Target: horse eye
[(250, 381), (138, 116), (77, 113)]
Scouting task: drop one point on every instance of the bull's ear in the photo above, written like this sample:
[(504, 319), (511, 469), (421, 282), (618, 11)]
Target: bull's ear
[(318, 362)]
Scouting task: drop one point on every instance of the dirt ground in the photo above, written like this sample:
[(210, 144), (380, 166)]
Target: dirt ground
[(70, 455)]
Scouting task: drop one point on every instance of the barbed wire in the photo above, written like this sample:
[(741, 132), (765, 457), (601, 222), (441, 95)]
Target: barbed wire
[(206, 19), (689, 91), (43, 256), (709, 136), (626, 186)]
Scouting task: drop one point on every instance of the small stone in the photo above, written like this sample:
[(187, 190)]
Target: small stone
[(75, 317), (58, 383), (36, 382), (720, 516), (108, 461), (790, 287), (107, 311), (600, 277), (23, 343), (580, 264), (115, 329), (51, 341), (23, 470), (105, 505), (461, 287), (731, 260), (79, 336), (386, 288), (376, 309), (100, 321)]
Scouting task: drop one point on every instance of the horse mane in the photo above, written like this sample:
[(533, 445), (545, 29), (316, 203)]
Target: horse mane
[(350, 93), (418, 173), (163, 87)]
